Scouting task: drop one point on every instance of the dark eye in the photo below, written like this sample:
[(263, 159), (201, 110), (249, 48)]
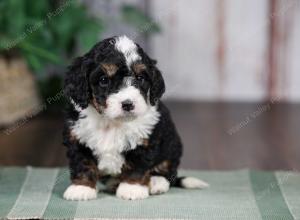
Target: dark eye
[(104, 81), (140, 78)]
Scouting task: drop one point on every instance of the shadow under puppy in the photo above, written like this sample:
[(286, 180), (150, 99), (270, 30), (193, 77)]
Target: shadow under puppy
[(116, 129)]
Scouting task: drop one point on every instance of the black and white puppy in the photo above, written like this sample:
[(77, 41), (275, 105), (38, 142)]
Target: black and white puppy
[(116, 130)]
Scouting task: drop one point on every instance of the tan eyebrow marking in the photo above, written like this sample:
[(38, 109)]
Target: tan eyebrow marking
[(138, 68), (109, 68)]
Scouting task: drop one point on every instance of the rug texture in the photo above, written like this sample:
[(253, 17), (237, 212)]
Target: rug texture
[(35, 193)]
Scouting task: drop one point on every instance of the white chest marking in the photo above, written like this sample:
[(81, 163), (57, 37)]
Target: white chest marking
[(108, 139)]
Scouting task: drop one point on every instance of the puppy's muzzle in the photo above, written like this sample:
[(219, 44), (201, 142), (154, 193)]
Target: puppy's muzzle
[(127, 105)]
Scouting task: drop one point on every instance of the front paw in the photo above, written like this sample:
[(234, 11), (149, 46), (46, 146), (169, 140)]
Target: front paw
[(132, 191), (80, 193)]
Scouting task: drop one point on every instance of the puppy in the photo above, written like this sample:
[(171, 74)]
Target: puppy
[(116, 129)]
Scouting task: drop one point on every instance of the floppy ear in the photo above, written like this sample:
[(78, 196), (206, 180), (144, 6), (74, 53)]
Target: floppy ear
[(157, 88), (76, 82)]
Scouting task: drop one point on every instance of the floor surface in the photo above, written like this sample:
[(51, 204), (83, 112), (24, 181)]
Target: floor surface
[(215, 136)]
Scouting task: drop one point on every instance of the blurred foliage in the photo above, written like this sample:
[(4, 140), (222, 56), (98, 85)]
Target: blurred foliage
[(52, 31), (48, 33), (52, 93), (138, 19)]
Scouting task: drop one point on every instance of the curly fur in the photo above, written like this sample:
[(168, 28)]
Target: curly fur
[(103, 140)]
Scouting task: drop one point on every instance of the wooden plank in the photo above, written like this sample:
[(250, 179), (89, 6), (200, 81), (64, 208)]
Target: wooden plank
[(212, 50), (293, 59), (282, 27), (186, 47), (245, 50)]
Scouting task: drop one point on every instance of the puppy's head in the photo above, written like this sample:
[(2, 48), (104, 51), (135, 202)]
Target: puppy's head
[(117, 78)]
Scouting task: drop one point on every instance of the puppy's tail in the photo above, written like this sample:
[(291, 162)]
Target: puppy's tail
[(190, 183)]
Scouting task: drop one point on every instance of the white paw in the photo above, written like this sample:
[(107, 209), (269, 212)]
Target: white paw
[(159, 184), (193, 183), (132, 191), (80, 192)]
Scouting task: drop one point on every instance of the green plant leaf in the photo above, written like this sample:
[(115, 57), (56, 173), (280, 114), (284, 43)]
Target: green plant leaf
[(34, 62), (37, 9), (40, 52), (4, 42), (62, 28), (89, 35), (139, 20), (14, 17), (26, 25)]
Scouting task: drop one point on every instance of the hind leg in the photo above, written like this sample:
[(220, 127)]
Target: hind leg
[(158, 185), (162, 177)]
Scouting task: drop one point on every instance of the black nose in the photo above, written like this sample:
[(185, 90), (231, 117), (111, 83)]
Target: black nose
[(127, 105)]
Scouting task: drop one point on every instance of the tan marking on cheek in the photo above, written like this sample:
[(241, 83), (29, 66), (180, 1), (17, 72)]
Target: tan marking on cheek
[(138, 68), (109, 68), (97, 106), (145, 143), (72, 137)]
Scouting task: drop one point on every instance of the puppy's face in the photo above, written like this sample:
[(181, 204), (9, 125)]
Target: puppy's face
[(120, 91), (117, 78)]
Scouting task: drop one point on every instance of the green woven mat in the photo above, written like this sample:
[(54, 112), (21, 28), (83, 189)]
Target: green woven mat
[(27, 193)]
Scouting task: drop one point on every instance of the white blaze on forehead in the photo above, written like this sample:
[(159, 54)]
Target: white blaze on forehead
[(128, 48), (128, 81)]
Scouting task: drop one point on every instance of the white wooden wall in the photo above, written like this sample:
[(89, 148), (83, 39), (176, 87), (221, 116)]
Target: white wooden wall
[(236, 50)]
